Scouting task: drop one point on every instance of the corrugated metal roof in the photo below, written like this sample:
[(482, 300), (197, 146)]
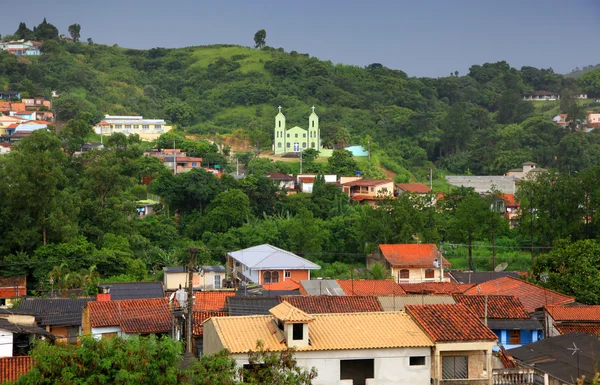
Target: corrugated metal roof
[(135, 290), (341, 331), (322, 287), (270, 257), (398, 302)]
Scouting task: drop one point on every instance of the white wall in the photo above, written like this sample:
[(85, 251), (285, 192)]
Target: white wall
[(391, 365), (6, 343), (97, 332)]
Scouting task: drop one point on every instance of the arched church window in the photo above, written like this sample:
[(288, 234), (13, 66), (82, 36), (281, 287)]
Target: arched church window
[(288, 145), (296, 135), (280, 123), (279, 145), (304, 135), (312, 145), (288, 135), (313, 123), (304, 145)]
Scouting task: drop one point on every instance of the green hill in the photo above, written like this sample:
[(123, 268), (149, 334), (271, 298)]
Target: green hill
[(475, 123)]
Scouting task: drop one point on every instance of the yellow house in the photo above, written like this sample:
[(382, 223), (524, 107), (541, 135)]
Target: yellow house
[(147, 129), (411, 263)]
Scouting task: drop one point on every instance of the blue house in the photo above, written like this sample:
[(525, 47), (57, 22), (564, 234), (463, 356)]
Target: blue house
[(506, 316), (6, 95)]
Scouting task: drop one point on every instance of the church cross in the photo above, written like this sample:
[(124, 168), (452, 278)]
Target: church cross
[(313, 108), (279, 109)]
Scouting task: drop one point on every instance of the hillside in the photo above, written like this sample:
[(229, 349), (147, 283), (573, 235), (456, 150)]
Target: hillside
[(475, 123)]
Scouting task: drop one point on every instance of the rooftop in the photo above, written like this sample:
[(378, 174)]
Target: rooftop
[(12, 368), (55, 311), (575, 313), (450, 323), (367, 182), (334, 304), (369, 287), (287, 313), (532, 297), (280, 176), (320, 287), (399, 302), (238, 305), (211, 300), (135, 290), (343, 331), (199, 317), (134, 316), (270, 257), (412, 255), (435, 288), (480, 276), (498, 306), (418, 188), (579, 327)]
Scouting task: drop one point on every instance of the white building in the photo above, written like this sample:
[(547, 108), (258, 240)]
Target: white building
[(147, 129), (349, 348), (208, 278)]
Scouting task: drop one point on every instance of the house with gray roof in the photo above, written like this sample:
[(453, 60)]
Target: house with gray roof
[(266, 264)]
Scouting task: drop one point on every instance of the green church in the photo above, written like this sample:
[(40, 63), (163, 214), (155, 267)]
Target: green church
[(296, 139)]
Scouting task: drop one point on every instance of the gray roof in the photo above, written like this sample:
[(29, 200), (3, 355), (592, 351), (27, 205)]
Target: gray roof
[(483, 184), (21, 329), (214, 269), (552, 356), (514, 324), (322, 287), (480, 276), (55, 311), (270, 257), (135, 290), (238, 305), (174, 269), (397, 302)]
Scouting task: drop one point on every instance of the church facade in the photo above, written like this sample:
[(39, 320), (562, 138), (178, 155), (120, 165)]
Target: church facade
[(296, 139)]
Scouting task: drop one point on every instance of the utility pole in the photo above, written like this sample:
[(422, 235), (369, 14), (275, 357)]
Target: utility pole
[(190, 304), (174, 159), (369, 150), (300, 162), (431, 178)]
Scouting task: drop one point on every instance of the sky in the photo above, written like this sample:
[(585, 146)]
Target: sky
[(424, 38)]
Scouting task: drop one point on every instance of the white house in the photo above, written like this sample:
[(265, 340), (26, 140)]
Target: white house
[(381, 348), (207, 278)]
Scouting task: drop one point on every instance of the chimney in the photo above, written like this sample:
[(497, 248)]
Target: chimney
[(104, 296)]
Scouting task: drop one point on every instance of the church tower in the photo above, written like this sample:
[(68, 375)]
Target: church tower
[(279, 142), (314, 134)]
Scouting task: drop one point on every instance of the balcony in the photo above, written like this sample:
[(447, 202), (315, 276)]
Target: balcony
[(519, 376), (465, 381)]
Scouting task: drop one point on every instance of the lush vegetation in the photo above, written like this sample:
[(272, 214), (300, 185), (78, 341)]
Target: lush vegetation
[(153, 360)]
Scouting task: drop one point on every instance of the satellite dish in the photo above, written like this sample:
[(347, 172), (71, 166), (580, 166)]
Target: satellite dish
[(501, 267)]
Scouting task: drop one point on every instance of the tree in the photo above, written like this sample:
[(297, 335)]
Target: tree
[(377, 271), (73, 135), (342, 163), (45, 31), (276, 368), (75, 32), (24, 33), (260, 38), (228, 209), (572, 269)]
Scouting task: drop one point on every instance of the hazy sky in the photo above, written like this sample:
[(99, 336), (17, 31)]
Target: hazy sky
[(420, 37)]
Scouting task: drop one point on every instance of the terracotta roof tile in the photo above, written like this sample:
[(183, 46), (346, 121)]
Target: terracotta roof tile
[(498, 306), (200, 316), (360, 198), (12, 368), (280, 176), (290, 314), (369, 287), (574, 313), (341, 331), (307, 179), (411, 255), (509, 200), (448, 323), (15, 286), (579, 327), (366, 182), (134, 316), (211, 300), (418, 188), (436, 287), (288, 284), (532, 297), (334, 304)]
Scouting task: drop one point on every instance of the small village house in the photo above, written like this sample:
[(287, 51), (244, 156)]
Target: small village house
[(368, 191), (542, 95), (463, 344), (285, 181), (175, 160), (572, 319), (147, 129), (346, 348), (267, 264), (207, 278), (374, 287), (410, 263)]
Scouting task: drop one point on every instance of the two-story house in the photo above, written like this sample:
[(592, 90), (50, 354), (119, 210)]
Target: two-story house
[(411, 263), (570, 319), (368, 190), (346, 348), (147, 129), (265, 264)]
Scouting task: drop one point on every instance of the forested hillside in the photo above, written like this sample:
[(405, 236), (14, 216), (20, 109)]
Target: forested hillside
[(474, 123)]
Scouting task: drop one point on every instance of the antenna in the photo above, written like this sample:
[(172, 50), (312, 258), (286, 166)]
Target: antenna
[(575, 349), (501, 267)]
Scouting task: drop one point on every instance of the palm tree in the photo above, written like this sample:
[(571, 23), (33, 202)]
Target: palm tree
[(57, 274), (377, 271)]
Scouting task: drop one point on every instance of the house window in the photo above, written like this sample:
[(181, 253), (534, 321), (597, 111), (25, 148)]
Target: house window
[(313, 123), (304, 135), (455, 367), (416, 361), (270, 277), (288, 145), (297, 332), (404, 274), (312, 145), (372, 189), (279, 123), (193, 164), (136, 126), (217, 281), (288, 274), (357, 370), (118, 126), (145, 126), (295, 135), (157, 126), (279, 145), (288, 135), (515, 337), (429, 273), (303, 144)]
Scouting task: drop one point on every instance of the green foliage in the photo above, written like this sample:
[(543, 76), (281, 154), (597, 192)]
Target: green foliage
[(75, 32), (342, 163), (260, 38)]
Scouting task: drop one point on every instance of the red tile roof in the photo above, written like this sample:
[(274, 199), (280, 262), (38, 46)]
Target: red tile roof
[(411, 255), (280, 176), (12, 368), (288, 284), (532, 297), (579, 327), (418, 188), (14, 286), (211, 300), (436, 287), (449, 323), (134, 316), (307, 179), (369, 287), (498, 306), (200, 316), (366, 182), (334, 304), (574, 313), (509, 200)]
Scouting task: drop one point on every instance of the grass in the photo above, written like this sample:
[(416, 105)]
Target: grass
[(254, 60), (482, 255)]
